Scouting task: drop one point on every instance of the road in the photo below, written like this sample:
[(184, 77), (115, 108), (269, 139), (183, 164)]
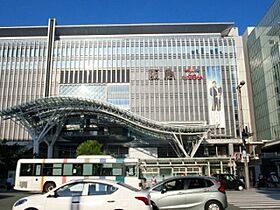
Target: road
[(252, 199), (7, 199)]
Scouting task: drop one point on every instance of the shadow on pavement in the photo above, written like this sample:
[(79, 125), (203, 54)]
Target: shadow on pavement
[(270, 192), (5, 196)]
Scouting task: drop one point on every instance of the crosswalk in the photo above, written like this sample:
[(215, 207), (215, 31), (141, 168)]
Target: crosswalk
[(255, 199)]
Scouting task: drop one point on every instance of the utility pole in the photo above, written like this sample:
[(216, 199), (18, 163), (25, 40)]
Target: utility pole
[(242, 135)]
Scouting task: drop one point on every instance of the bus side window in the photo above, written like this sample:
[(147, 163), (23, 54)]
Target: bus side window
[(57, 169), (77, 169), (107, 169), (68, 169), (38, 168), (26, 169), (87, 169), (130, 170), (96, 169), (47, 169)]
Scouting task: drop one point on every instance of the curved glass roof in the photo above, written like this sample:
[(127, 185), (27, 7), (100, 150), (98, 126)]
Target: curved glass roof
[(37, 113)]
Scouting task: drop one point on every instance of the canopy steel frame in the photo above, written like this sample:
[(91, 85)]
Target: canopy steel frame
[(41, 115)]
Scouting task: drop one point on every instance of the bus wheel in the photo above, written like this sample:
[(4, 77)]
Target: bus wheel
[(49, 186)]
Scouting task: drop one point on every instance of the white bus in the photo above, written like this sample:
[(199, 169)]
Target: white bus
[(42, 175)]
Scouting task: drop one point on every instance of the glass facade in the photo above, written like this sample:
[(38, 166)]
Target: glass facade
[(263, 50), (131, 59), (22, 73), (164, 77)]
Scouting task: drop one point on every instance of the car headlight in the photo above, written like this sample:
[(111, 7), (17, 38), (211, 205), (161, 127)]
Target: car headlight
[(21, 201)]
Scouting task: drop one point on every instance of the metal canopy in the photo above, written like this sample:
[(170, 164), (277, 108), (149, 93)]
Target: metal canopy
[(41, 115)]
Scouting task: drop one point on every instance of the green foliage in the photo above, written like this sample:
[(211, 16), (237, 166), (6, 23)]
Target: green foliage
[(90, 147)]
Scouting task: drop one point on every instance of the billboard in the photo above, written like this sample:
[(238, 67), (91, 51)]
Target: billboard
[(215, 96)]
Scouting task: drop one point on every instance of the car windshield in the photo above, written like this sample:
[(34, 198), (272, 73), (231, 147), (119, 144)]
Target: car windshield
[(128, 186)]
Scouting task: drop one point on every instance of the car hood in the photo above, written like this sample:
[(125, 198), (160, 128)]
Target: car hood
[(39, 198)]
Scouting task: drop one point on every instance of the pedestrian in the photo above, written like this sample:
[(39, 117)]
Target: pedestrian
[(9, 183), (261, 181), (143, 184), (153, 180), (274, 179)]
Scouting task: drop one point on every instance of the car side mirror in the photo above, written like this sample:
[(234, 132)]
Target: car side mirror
[(164, 190), (52, 195)]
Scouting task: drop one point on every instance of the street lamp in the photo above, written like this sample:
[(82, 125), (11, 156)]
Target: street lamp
[(241, 123)]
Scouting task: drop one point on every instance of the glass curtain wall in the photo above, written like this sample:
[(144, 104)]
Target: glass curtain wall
[(263, 49)]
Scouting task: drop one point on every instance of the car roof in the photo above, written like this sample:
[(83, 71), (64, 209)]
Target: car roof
[(188, 177), (107, 181)]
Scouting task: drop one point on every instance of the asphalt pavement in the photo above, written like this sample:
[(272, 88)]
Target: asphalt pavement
[(265, 198)]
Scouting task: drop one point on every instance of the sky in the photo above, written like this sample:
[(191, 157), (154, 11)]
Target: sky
[(82, 12)]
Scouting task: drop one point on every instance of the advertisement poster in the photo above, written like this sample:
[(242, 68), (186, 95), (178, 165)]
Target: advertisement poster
[(215, 96)]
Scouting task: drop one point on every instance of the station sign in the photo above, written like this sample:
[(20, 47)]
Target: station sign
[(192, 74)]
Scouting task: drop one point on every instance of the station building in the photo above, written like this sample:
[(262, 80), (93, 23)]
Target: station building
[(144, 90)]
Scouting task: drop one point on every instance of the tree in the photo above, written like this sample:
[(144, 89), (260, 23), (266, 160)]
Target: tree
[(90, 147)]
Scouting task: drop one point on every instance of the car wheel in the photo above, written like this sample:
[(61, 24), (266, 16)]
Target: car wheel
[(240, 188), (154, 206), (213, 205), (49, 186)]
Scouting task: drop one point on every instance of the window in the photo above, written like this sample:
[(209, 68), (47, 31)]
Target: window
[(57, 169), (70, 190), (178, 184), (87, 169), (26, 169), (67, 169), (77, 169), (47, 169), (100, 189), (199, 183), (130, 171)]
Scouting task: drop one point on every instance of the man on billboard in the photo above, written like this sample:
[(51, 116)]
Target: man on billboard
[(216, 93)]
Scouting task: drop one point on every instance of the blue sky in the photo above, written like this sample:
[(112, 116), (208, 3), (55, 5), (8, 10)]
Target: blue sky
[(71, 12)]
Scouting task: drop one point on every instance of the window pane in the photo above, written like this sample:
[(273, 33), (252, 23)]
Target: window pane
[(70, 190), (100, 189), (87, 169), (67, 169), (38, 168), (26, 169)]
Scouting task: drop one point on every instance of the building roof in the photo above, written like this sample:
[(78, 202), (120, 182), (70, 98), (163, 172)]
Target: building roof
[(222, 28)]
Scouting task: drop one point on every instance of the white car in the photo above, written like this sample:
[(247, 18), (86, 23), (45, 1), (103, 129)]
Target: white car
[(87, 195)]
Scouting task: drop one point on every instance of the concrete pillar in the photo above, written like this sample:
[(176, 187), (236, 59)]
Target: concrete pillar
[(230, 149), (222, 167)]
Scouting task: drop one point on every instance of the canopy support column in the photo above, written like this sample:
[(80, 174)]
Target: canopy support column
[(35, 147), (53, 140), (198, 142), (180, 145)]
